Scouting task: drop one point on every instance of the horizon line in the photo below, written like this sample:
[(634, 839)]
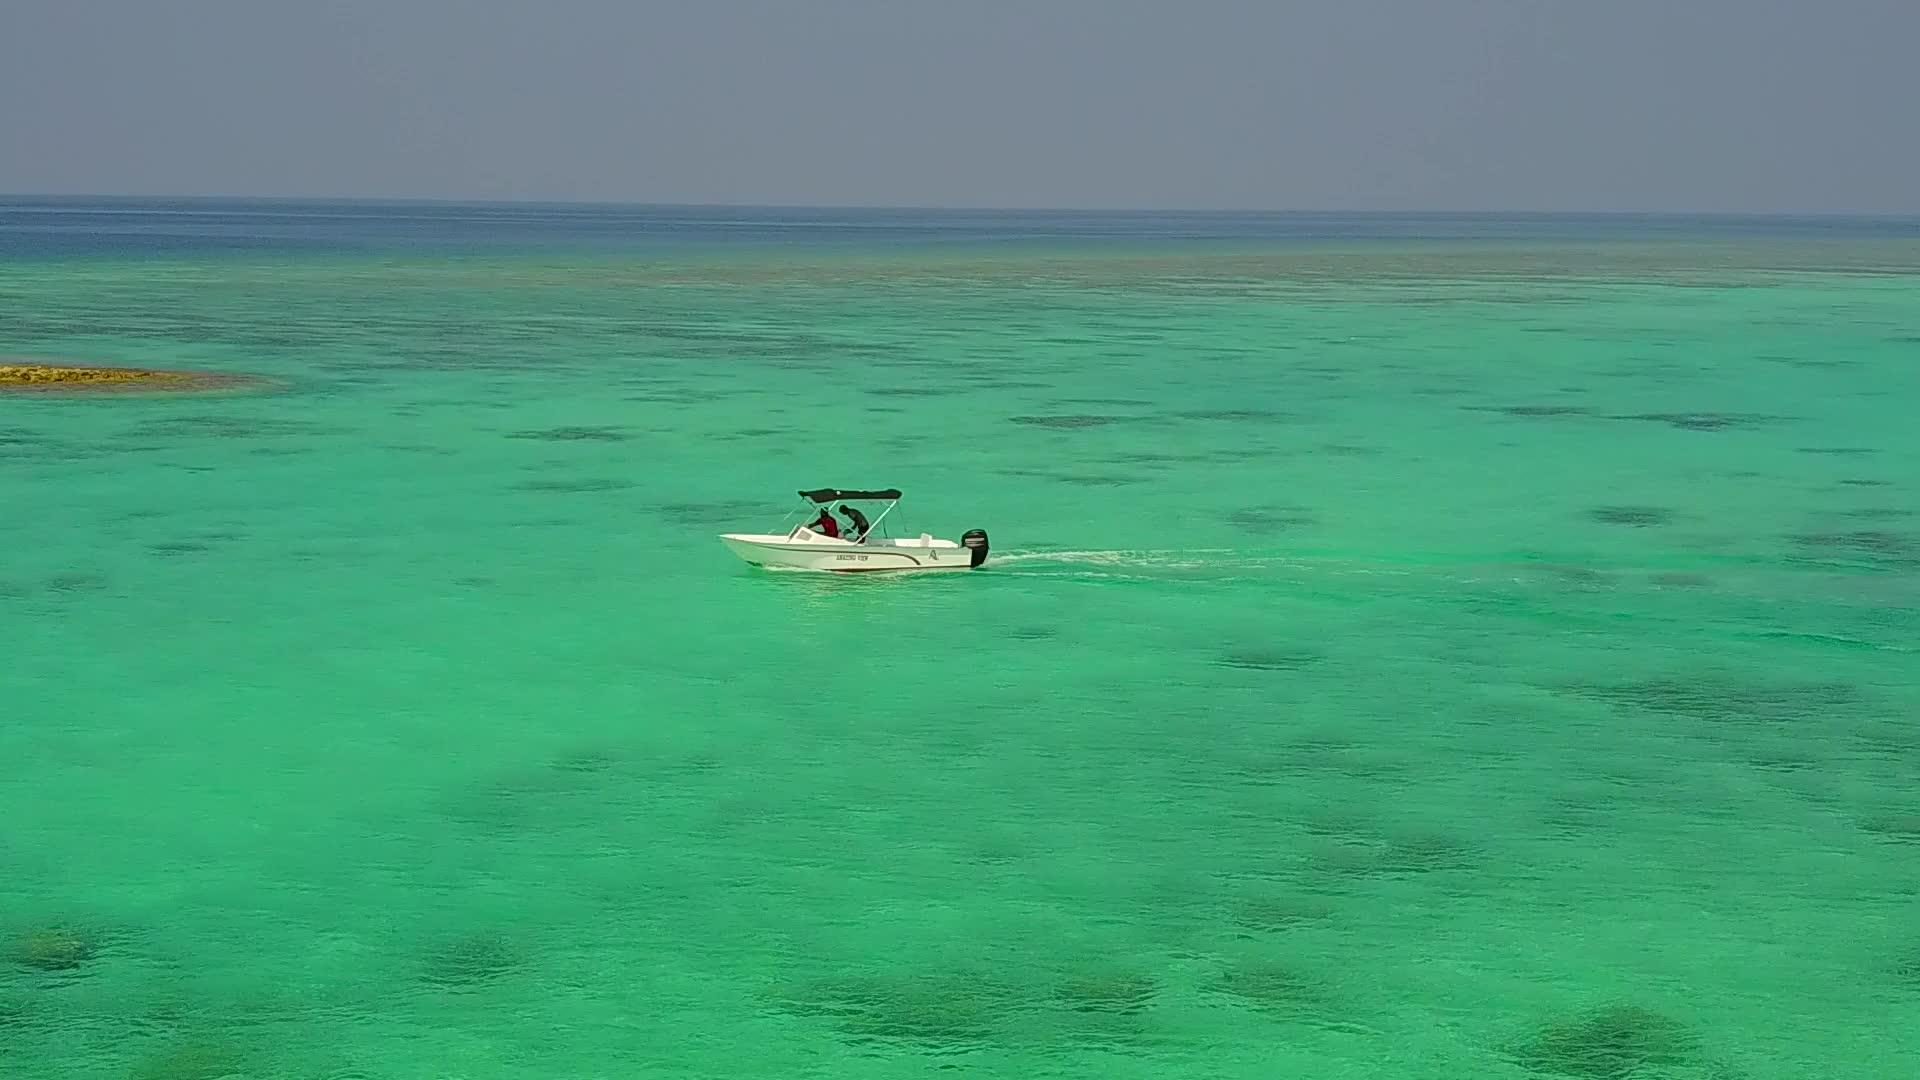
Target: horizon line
[(443, 200)]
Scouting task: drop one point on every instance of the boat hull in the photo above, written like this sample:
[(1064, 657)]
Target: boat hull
[(811, 551)]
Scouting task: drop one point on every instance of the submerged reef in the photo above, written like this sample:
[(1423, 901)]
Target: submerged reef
[(1614, 1042), (54, 948), (25, 375)]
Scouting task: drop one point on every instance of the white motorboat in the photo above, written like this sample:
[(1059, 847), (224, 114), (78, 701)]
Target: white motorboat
[(823, 544)]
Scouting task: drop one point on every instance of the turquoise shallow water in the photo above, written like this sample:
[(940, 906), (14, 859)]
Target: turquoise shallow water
[(1400, 657)]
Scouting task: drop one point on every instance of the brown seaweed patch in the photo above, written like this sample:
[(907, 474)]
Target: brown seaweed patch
[(1632, 516), (575, 434), (25, 377), (1614, 1042), (1068, 421)]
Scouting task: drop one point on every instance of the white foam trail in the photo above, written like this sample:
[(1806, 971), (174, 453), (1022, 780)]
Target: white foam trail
[(1137, 562), (1198, 556)]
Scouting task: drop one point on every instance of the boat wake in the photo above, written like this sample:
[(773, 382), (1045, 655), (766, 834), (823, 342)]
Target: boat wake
[(1141, 563)]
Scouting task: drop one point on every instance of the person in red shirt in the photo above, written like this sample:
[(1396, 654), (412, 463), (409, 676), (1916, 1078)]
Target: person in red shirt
[(825, 525)]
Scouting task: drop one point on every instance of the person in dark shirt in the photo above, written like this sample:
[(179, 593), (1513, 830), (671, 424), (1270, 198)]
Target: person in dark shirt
[(825, 525), (856, 523)]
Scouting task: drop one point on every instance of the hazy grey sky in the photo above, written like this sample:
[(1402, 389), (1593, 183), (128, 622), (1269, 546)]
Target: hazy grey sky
[(1313, 104)]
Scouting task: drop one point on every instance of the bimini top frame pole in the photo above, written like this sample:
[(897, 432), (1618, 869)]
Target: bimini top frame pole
[(826, 497)]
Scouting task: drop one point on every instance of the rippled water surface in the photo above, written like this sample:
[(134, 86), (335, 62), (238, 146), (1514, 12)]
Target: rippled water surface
[(1413, 648)]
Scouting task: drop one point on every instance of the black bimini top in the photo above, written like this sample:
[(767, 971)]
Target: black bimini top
[(827, 495)]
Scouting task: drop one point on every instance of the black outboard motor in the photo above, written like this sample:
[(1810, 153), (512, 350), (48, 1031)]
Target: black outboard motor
[(975, 541)]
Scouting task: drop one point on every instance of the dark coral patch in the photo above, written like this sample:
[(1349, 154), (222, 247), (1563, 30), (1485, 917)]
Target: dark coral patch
[(588, 484), (1280, 991), (1898, 826), (1722, 700), (1234, 416), (1614, 1042), (221, 427), (1398, 857), (54, 948), (1699, 421), (943, 1014), (1262, 520), (1270, 659), (1116, 992), (1872, 545), (1584, 577), (1634, 516), (574, 434), (192, 1059), (468, 961), (74, 581), (1274, 913), (1533, 410), (1068, 422)]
